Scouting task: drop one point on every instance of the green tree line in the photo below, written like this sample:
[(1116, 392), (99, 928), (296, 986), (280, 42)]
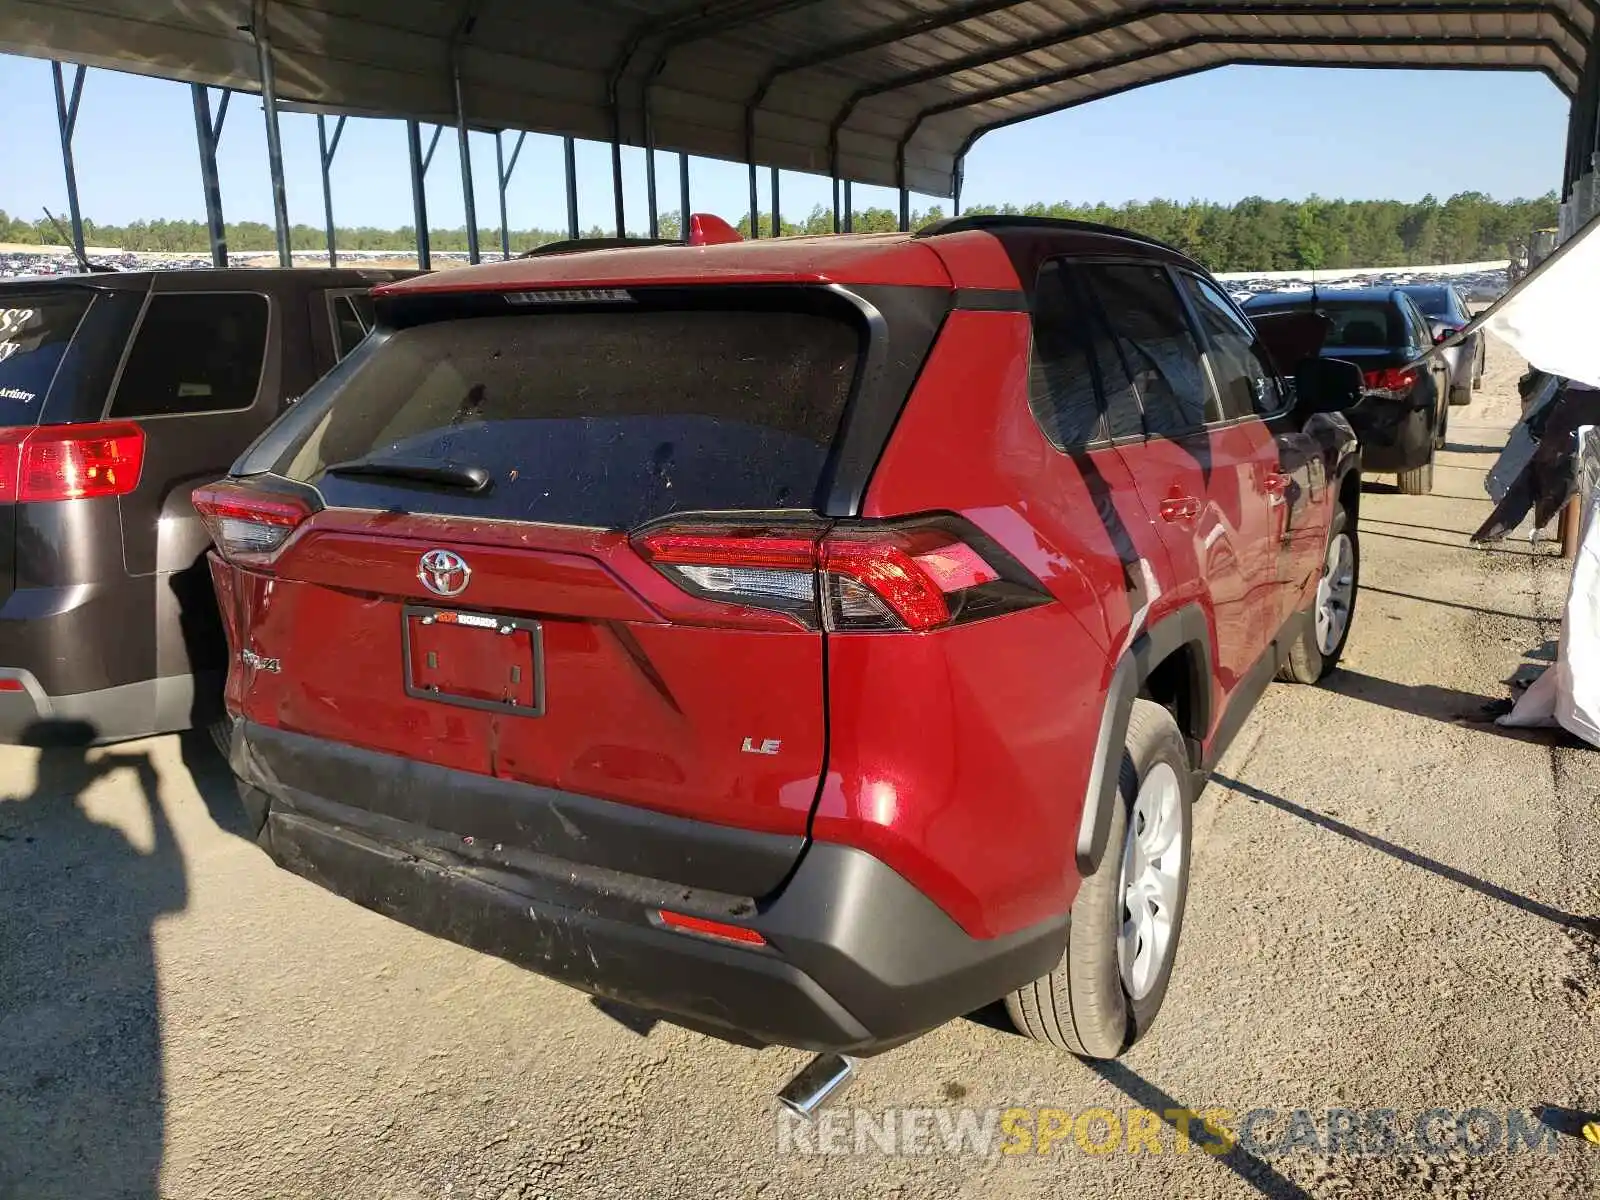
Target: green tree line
[(1253, 235)]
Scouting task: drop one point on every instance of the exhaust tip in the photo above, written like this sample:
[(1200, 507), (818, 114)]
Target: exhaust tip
[(819, 1082)]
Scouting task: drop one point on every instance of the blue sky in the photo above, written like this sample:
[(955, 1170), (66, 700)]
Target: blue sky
[(1230, 133)]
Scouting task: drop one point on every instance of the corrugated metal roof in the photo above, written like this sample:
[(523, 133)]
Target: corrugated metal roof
[(880, 91)]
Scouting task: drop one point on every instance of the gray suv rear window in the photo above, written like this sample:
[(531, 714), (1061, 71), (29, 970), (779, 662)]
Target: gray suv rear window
[(598, 418)]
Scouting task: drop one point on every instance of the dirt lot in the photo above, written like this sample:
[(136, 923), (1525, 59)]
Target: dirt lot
[(1389, 910)]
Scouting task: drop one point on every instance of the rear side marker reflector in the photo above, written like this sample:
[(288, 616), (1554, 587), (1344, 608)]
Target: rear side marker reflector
[(901, 576), (247, 525), (70, 462), (684, 923), (11, 685)]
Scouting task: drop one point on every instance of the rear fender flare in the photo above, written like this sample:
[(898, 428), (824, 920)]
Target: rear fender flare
[(1185, 628)]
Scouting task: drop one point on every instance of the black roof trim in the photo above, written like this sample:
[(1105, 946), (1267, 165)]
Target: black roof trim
[(996, 222)]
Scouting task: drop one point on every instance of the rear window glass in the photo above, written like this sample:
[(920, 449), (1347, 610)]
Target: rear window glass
[(1355, 323), (601, 418), (1434, 301), (195, 353), (34, 334)]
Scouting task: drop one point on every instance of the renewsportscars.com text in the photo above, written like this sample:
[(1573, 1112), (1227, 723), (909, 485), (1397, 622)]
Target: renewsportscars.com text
[(1259, 1132)]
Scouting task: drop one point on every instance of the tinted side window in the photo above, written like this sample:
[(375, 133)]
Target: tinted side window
[(1418, 333), (1061, 388), (1152, 332), (352, 316), (1246, 385), (194, 353)]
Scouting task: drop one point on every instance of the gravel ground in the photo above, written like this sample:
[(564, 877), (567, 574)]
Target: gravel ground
[(1387, 911)]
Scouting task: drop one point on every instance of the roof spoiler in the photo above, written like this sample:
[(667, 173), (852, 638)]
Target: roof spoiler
[(708, 230)]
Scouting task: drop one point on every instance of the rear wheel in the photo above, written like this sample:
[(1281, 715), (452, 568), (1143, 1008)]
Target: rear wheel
[(1483, 361), (1419, 480), (1106, 991), (1461, 394), (1320, 645)]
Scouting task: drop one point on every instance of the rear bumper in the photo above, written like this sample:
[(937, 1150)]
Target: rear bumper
[(29, 716), (856, 959)]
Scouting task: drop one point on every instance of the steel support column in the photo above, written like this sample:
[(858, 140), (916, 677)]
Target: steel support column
[(268, 77), (849, 210), (955, 192), (327, 149), (503, 173), (755, 203), (777, 214), (905, 209), (836, 225), (419, 163), (650, 189), (569, 154), (468, 200), (67, 121), (616, 184), (1583, 126), (683, 196), (206, 133)]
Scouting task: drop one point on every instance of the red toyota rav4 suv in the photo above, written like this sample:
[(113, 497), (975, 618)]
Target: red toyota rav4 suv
[(809, 640)]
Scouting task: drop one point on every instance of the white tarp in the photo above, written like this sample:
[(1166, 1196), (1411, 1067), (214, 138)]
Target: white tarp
[(1552, 316), (1568, 694)]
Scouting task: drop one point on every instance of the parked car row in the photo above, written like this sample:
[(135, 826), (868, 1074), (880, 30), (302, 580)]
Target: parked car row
[(809, 641), (1404, 414)]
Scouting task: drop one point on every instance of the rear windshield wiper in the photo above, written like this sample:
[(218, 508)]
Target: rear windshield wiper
[(417, 470)]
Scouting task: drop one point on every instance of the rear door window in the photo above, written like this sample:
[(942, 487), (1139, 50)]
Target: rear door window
[(195, 352), (1061, 387), (1152, 332), (602, 418), (34, 334)]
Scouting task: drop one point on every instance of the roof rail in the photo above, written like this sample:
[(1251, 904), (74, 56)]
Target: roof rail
[(997, 221)]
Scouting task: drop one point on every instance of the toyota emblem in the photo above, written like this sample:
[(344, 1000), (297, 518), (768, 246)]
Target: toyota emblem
[(444, 572)]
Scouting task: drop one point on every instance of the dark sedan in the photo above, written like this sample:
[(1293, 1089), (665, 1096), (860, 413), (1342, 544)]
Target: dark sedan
[(1447, 313), (1402, 416)]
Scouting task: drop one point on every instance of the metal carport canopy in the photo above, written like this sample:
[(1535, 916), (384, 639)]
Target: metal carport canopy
[(889, 92)]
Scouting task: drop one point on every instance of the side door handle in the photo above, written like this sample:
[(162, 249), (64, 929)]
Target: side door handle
[(1178, 507)]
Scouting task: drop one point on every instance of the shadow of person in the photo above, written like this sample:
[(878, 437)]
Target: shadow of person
[(82, 1096)]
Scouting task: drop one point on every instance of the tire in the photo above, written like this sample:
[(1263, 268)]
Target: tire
[(1086, 1005), (1482, 365), (1442, 433), (1320, 646), (1419, 480), (1461, 394)]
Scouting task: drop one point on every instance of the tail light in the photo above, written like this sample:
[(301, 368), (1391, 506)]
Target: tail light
[(248, 525), (902, 576), (70, 462), (1393, 382)]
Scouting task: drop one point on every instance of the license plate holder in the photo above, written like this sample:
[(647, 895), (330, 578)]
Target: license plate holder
[(474, 660)]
